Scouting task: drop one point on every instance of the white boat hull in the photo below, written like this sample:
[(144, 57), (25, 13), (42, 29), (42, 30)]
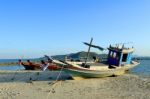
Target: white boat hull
[(81, 72)]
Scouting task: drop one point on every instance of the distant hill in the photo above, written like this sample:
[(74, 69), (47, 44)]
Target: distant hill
[(78, 55), (74, 56), (83, 55)]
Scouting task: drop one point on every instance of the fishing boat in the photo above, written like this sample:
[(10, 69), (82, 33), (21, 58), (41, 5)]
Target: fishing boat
[(37, 66), (119, 60)]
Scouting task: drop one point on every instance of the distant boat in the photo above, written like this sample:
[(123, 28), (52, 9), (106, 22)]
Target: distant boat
[(37, 66), (119, 60)]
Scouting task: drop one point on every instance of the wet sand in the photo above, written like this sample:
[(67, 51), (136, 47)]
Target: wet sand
[(43, 85)]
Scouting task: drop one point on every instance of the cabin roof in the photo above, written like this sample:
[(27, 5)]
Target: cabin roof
[(121, 50)]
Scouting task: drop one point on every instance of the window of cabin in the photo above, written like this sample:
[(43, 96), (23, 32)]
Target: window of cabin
[(124, 59), (111, 54), (114, 55)]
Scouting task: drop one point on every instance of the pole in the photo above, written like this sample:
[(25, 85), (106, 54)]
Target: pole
[(88, 51)]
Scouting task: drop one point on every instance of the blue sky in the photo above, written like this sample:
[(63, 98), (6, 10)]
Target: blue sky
[(32, 28)]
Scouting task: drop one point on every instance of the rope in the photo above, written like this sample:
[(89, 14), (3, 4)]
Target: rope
[(55, 82)]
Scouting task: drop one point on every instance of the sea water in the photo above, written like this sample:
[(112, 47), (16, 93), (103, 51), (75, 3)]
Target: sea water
[(16, 67), (143, 69), (12, 67)]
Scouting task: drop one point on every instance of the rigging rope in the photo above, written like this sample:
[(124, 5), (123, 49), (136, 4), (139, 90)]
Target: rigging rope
[(55, 82)]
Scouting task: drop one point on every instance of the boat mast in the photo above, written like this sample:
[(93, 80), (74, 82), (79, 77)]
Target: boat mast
[(88, 51)]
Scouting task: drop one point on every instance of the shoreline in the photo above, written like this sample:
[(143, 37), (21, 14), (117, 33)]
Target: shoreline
[(127, 86), (9, 64)]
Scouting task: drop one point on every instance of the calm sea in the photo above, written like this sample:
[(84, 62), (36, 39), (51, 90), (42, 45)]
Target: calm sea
[(143, 69), (8, 60)]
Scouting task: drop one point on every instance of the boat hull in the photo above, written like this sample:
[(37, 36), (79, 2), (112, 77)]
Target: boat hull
[(80, 72), (38, 67), (94, 74)]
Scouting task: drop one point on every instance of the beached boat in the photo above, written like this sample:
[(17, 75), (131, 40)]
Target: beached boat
[(37, 66), (119, 60)]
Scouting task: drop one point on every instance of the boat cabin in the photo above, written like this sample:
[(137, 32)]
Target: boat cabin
[(119, 56)]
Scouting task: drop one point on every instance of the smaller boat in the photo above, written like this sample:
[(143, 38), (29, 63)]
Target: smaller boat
[(118, 62), (37, 66)]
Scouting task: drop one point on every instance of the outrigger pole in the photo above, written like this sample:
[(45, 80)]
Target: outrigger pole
[(89, 50)]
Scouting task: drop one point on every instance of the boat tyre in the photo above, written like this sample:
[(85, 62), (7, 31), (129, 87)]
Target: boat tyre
[(111, 67), (113, 75), (85, 65)]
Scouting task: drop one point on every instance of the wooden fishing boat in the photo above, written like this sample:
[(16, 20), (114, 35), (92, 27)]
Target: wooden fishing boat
[(97, 70), (118, 62), (37, 66)]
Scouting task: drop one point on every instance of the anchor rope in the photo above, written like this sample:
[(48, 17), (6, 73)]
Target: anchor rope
[(55, 82)]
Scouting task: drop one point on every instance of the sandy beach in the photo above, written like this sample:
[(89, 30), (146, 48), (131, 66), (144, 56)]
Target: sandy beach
[(43, 85)]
